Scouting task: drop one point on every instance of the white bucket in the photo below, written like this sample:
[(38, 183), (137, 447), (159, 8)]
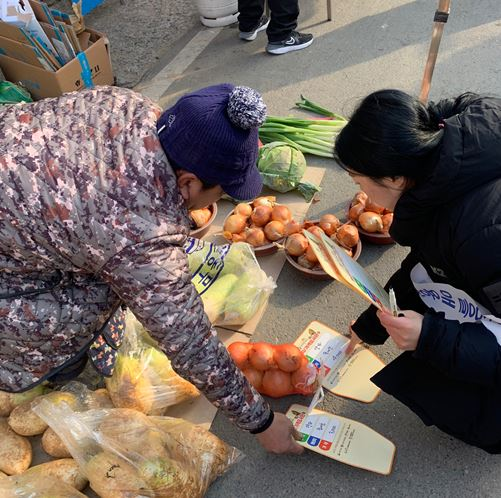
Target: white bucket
[(219, 21), (213, 9)]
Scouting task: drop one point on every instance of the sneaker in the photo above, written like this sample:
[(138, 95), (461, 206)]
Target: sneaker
[(296, 41), (261, 26)]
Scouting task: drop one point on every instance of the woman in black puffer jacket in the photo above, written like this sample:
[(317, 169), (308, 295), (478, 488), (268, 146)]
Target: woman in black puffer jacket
[(438, 166)]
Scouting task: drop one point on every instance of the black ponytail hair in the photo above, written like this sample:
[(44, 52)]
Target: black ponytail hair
[(392, 133)]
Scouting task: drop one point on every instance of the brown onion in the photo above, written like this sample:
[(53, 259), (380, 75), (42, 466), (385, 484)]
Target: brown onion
[(373, 207), (387, 221), (310, 255), (360, 198), (243, 209), (255, 377), (316, 230), (371, 222), (296, 244), (281, 213), (239, 237), (302, 261), (255, 237), (329, 224), (355, 211), (261, 215), (235, 223), (200, 216), (292, 227), (276, 383), (347, 236), (269, 201), (274, 230)]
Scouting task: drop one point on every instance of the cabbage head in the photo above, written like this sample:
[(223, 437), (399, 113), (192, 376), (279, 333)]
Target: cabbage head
[(282, 167)]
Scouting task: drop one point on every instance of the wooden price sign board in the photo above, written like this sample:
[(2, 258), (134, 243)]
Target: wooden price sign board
[(343, 439), (345, 375)]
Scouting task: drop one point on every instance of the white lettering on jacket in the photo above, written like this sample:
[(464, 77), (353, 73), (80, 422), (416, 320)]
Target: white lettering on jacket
[(454, 303)]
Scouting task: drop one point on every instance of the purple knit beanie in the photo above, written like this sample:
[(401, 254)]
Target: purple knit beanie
[(213, 133)]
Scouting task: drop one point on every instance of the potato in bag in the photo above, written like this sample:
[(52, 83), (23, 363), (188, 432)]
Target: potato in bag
[(112, 477)]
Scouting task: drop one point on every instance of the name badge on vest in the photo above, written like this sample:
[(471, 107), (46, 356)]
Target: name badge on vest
[(454, 303)]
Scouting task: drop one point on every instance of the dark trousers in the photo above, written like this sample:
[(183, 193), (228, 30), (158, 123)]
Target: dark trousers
[(284, 14)]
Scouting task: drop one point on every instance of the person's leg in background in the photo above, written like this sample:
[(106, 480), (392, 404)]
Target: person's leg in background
[(251, 19), (282, 34)]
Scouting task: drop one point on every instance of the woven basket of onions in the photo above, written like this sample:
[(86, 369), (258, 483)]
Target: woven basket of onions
[(301, 256), (262, 223), (373, 221)]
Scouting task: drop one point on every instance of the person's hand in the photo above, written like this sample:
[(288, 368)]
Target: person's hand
[(280, 436), (354, 340), (404, 330)]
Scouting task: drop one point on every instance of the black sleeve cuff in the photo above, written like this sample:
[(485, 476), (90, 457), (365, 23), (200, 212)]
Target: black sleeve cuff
[(266, 425)]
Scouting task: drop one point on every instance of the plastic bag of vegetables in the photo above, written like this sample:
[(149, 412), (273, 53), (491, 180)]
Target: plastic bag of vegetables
[(276, 370), (143, 378), (125, 453), (229, 279), (24, 421), (29, 486), (282, 167)]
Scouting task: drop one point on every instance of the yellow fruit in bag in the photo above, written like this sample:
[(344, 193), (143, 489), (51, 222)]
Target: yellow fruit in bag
[(129, 387), (65, 470)]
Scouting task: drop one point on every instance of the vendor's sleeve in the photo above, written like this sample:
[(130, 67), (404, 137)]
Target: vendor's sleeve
[(368, 326), (153, 280)]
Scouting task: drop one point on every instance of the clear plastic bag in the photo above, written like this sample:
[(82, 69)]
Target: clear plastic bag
[(229, 279), (26, 486), (126, 454), (143, 378)]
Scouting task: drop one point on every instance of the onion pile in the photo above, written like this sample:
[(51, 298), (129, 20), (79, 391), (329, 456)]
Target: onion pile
[(275, 369), (368, 215), (260, 222), (297, 245), (199, 217)]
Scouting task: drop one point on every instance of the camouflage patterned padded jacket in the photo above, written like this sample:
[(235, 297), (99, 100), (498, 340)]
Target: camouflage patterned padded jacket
[(90, 216)]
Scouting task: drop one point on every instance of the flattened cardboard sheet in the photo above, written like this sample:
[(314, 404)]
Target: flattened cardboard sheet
[(200, 410), (343, 439), (346, 376)]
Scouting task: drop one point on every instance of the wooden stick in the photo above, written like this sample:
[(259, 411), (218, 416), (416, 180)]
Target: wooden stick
[(441, 15)]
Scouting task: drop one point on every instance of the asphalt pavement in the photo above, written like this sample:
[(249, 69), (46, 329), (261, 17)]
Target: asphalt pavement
[(367, 46)]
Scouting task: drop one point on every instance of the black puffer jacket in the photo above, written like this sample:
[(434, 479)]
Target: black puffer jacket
[(452, 223)]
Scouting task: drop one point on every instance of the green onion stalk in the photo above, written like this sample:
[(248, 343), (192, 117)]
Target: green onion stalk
[(310, 136)]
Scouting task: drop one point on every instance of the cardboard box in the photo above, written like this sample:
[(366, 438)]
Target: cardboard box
[(42, 83)]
